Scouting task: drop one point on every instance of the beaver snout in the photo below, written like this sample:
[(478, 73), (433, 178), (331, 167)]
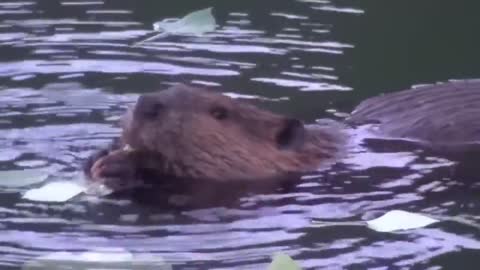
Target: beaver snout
[(149, 107)]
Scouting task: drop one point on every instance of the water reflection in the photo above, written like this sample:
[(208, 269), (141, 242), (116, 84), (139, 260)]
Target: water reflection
[(68, 71)]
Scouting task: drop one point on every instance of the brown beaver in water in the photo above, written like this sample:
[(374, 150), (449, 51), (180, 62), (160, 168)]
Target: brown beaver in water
[(188, 133)]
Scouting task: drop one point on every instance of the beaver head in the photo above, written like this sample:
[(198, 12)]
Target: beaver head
[(202, 134)]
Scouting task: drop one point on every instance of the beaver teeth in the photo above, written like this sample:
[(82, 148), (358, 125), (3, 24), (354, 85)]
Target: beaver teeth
[(128, 148)]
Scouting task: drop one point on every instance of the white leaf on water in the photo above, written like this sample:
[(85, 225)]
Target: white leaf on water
[(97, 258), (96, 255), (396, 220), (21, 178), (53, 260), (60, 191), (283, 262), (195, 23)]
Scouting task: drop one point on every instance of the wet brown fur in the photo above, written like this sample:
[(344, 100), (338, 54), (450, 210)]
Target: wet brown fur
[(193, 134), (197, 134)]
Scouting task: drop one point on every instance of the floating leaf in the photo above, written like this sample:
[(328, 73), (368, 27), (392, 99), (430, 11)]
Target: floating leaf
[(101, 258), (21, 178), (194, 23), (283, 262), (399, 220), (60, 191)]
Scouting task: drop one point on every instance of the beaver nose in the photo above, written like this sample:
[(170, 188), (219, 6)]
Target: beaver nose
[(148, 107)]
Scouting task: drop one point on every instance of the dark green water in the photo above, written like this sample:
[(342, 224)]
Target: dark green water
[(67, 72)]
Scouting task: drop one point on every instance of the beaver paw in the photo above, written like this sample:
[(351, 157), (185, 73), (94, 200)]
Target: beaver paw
[(117, 170)]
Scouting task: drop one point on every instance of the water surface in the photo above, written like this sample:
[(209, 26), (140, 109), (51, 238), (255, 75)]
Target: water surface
[(68, 71)]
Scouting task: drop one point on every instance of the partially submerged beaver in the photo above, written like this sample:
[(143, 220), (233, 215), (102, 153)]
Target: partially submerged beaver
[(202, 136)]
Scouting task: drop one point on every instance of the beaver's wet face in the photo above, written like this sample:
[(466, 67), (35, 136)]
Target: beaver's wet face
[(202, 134)]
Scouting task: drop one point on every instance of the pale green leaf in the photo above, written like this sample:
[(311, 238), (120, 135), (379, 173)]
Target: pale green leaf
[(399, 220), (21, 178), (282, 261), (195, 23)]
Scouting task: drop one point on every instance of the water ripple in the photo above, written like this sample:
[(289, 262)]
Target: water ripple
[(69, 70)]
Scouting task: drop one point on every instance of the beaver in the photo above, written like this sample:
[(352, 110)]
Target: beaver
[(443, 117), (200, 135)]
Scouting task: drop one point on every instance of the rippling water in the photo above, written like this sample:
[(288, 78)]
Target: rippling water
[(68, 70)]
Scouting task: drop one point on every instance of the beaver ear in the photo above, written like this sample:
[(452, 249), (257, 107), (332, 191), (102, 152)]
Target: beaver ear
[(292, 135)]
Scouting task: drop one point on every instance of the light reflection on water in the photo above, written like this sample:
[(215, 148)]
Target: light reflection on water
[(68, 71)]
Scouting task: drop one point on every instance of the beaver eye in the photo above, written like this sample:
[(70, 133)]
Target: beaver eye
[(219, 113)]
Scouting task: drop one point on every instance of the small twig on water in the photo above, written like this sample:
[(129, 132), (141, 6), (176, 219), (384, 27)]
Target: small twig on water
[(159, 35)]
